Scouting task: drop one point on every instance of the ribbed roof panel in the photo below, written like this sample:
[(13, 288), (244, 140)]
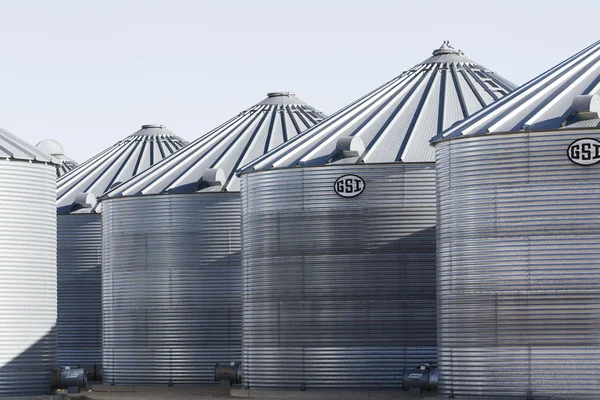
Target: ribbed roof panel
[(116, 164), (210, 162), (543, 103), (15, 148), (396, 121)]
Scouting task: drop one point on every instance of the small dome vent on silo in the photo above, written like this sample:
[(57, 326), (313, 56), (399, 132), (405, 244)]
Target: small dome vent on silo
[(55, 149)]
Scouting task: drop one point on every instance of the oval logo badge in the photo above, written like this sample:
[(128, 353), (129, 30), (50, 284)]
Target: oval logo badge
[(349, 185), (584, 151)]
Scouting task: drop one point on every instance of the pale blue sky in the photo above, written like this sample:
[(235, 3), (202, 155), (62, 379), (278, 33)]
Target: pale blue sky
[(90, 73)]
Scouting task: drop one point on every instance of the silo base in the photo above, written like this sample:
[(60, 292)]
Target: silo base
[(40, 397), (325, 395)]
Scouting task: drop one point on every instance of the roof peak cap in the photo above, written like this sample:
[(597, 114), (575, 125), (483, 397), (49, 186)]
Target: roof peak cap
[(446, 48)]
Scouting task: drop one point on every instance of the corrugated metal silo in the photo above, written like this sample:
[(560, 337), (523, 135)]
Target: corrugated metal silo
[(518, 273), (27, 268), (55, 149), (339, 235), (80, 238), (172, 272)]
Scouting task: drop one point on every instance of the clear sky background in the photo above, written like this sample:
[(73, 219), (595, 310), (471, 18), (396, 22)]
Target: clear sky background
[(90, 73)]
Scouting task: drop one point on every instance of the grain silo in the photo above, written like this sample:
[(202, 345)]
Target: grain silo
[(172, 273), (27, 268), (80, 239), (55, 149), (339, 235), (518, 274)]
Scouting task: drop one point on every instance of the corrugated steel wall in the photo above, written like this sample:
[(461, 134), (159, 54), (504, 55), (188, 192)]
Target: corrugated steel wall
[(27, 277), (339, 293), (518, 268), (171, 287), (79, 329)]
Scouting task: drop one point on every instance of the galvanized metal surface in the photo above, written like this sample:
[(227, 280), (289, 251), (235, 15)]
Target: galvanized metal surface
[(53, 148), (248, 135), (171, 288), (116, 164), (66, 165), (13, 147), (518, 271), (542, 103), (396, 121), (27, 277), (338, 293), (79, 326)]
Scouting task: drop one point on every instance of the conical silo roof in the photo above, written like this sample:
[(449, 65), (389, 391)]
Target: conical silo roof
[(210, 162), (55, 149), (394, 122), (545, 102), (118, 163), (15, 148)]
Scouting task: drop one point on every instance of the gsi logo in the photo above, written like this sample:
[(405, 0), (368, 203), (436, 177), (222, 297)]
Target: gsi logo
[(584, 151), (349, 185)]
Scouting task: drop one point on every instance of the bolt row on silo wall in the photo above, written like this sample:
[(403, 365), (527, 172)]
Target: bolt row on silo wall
[(338, 293), (27, 277), (518, 268), (171, 286), (79, 325)]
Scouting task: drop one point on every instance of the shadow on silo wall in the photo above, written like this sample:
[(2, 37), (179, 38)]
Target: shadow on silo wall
[(30, 373), (175, 320), (340, 314)]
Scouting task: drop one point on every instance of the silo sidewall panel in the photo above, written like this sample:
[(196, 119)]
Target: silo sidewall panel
[(171, 287), (339, 292), (27, 277), (518, 268), (79, 325)]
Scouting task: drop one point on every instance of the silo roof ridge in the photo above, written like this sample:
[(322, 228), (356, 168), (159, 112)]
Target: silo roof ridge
[(543, 103), (13, 147), (118, 163), (208, 164), (396, 120)]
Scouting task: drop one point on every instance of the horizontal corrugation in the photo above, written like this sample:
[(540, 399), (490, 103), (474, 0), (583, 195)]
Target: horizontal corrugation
[(171, 288), (27, 277), (545, 102), (518, 272), (338, 293), (396, 121), (79, 329), (243, 138)]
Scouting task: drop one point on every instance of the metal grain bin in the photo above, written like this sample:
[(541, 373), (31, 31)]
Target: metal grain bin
[(80, 239), (339, 235), (171, 252), (27, 268), (518, 275), (55, 149)]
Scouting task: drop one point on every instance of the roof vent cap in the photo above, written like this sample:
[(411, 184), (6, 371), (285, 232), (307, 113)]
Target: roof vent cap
[(213, 177), (85, 200), (352, 146), (280, 94), (587, 106), (446, 48), (151, 126)]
